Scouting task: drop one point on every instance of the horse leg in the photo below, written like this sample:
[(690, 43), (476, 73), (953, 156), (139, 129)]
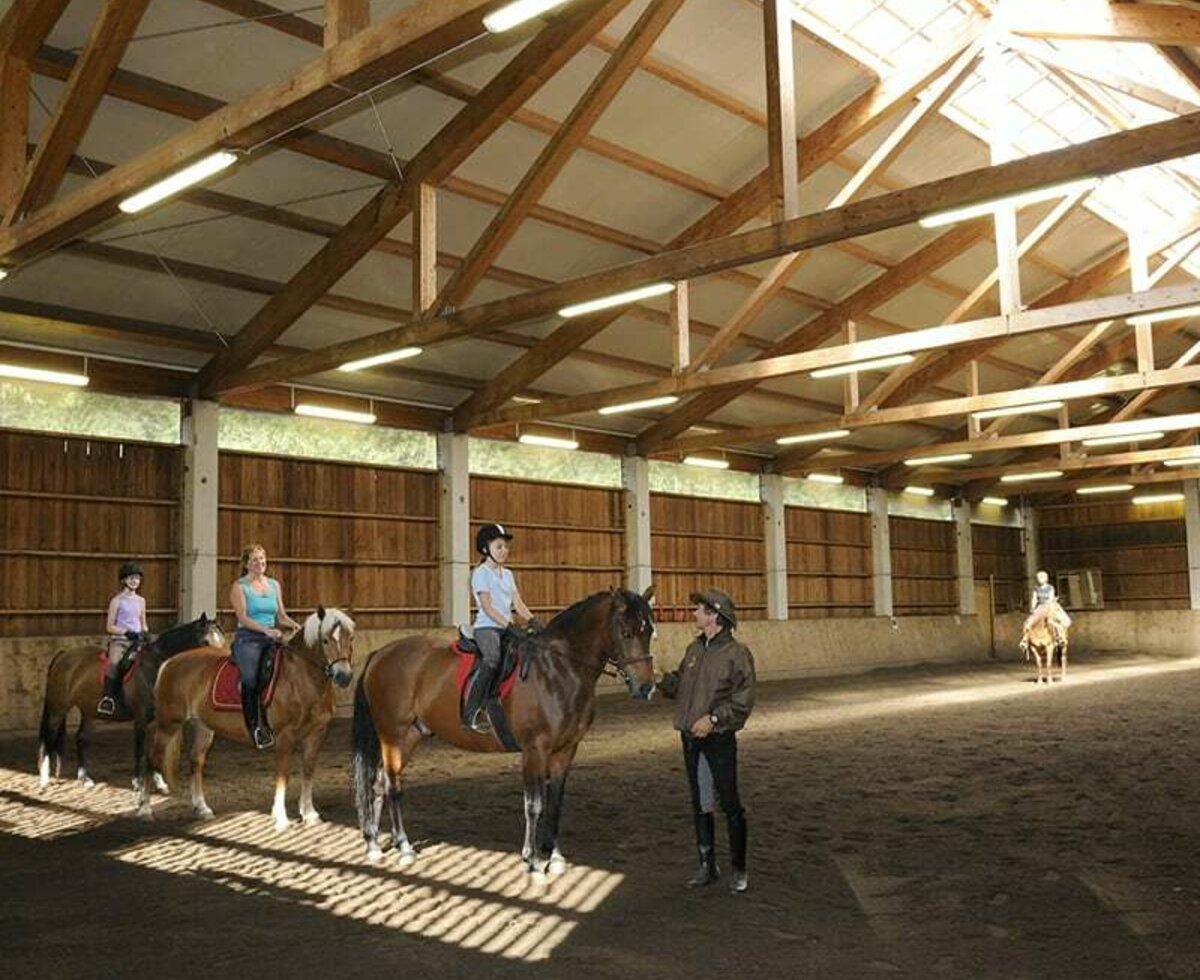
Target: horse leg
[(284, 744), (82, 738), (202, 740), (560, 765), (536, 792), (50, 746), (164, 744), (139, 752), (394, 759), (310, 748), (1062, 661)]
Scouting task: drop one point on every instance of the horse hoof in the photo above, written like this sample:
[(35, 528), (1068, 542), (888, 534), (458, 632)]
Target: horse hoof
[(558, 865), (374, 854), (538, 879), (203, 812), (406, 859), (86, 782), (281, 825), (145, 813), (311, 819), (160, 785)]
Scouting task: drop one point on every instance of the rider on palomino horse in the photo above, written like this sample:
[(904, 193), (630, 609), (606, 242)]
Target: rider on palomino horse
[(1044, 605)]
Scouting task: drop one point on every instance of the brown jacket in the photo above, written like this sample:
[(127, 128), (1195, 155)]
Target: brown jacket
[(715, 677)]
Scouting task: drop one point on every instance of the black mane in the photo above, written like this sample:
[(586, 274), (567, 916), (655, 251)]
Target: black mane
[(569, 619)]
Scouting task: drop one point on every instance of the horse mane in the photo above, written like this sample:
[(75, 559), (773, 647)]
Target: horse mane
[(319, 629), (570, 617)]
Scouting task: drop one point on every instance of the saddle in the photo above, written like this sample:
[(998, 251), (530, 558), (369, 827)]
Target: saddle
[(469, 656), (226, 693), (125, 669)]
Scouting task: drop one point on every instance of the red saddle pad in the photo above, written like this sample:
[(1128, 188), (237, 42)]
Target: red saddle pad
[(226, 695), (466, 661), (127, 677)]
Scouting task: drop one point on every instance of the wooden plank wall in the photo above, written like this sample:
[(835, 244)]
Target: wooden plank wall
[(71, 511), (1141, 551), (998, 554), (829, 563), (924, 567), (362, 538), (695, 543), (568, 541)]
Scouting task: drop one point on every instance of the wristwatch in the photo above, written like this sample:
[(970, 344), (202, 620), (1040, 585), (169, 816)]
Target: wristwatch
[(712, 716)]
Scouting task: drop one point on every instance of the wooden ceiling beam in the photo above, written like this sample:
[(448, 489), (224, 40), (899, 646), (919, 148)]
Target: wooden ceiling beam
[(1072, 464), (344, 19), (1081, 20), (783, 177)]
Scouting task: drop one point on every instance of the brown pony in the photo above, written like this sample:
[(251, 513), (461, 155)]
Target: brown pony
[(300, 711), (73, 681), (1043, 645), (407, 690)]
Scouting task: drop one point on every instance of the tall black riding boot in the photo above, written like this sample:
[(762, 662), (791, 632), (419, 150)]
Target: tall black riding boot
[(706, 844), (473, 717), (106, 707), (260, 738), (737, 849)]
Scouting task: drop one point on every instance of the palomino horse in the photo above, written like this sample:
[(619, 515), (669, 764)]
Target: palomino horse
[(1043, 644), (300, 710), (407, 690), (73, 680)]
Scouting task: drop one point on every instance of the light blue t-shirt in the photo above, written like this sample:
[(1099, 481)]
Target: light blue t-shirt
[(500, 587), (261, 608)]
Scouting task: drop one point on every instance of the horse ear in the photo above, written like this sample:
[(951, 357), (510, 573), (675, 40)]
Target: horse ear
[(203, 618), (320, 612), (648, 595)]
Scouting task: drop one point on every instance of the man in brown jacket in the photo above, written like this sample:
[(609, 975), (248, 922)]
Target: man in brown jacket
[(714, 690)]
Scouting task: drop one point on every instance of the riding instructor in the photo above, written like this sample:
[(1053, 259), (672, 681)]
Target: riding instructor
[(714, 690)]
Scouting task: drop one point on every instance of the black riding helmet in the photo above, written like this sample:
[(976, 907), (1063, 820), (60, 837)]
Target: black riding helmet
[(487, 534), (130, 568)]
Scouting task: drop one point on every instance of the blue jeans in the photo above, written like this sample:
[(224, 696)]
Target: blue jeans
[(248, 650)]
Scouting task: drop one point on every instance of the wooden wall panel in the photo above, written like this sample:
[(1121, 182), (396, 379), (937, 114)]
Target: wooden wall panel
[(998, 554), (568, 540), (829, 563), (362, 538), (924, 567), (71, 511), (696, 543), (1141, 551)]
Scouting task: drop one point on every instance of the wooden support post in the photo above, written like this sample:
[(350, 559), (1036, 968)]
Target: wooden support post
[(850, 392), (771, 493), (635, 481), (1029, 546), (681, 334), (14, 128), (781, 110), (424, 260), (973, 429), (1191, 513), (1008, 273), (1139, 277), (345, 18), (966, 558), (454, 528), (198, 557), (881, 551)]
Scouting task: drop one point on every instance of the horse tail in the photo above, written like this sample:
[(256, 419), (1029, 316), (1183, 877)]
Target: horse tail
[(170, 755), (50, 740), (367, 755)]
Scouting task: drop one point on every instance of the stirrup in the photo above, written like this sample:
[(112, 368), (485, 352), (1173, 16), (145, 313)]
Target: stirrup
[(106, 706), (264, 738), (479, 722)]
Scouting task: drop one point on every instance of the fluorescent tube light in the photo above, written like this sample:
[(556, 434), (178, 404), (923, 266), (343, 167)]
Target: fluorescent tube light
[(1176, 314), (369, 362), (550, 442), (1118, 440), (934, 460), (995, 501), (202, 169), (525, 400), (878, 364), (940, 218), (919, 491), (1189, 461), (644, 403), (1002, 413), (338, 414), (3, 274), (707, 462), (41, 374), (812, 437), (832, 479), (1104, 488), (617, 299), (1036, 475), (1158, 498), (514, 14)]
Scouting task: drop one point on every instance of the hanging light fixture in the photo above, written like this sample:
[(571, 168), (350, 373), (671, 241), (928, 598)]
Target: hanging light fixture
[(201, 170)]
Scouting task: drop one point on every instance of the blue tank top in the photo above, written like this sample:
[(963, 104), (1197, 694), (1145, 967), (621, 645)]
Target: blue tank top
[(261, 608)]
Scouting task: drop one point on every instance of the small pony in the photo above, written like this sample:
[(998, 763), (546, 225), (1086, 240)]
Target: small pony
[(1042, 643)]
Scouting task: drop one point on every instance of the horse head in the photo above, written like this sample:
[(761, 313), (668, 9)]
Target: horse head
[(200, 632), (632, 623), (333, 632)]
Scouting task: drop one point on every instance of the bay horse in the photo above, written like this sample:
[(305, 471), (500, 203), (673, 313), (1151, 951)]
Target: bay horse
[(407, 690), (300, 710), (1043, 645), (73, 680)]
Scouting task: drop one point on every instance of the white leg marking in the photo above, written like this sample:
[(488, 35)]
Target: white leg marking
[(82, 776), (279, 809), (44, 770), (308, 812), (160, 784)]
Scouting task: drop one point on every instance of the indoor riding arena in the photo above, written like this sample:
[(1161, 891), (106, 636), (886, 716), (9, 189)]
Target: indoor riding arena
[(600, 489)]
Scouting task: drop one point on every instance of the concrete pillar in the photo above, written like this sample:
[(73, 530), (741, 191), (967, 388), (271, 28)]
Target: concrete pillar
[(1029, 545), (635, 480), (1191, 514), (198, 561), (966, 558), (775, 532), (881, 551), (454, 527)]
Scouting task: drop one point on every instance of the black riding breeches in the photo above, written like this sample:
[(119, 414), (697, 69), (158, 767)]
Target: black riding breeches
[(719, 750)]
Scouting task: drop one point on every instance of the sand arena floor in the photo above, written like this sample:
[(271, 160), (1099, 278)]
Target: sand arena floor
[(936, 822)]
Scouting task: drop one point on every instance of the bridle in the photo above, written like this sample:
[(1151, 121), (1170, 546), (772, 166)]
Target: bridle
[(323, 663)]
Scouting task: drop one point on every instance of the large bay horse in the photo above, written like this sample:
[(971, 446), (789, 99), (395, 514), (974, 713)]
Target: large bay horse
[(408, 690), (73, 680), (1043, 645), (299, 713)]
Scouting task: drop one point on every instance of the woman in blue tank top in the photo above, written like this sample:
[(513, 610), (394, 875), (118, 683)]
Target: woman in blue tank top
[(258, 604)]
